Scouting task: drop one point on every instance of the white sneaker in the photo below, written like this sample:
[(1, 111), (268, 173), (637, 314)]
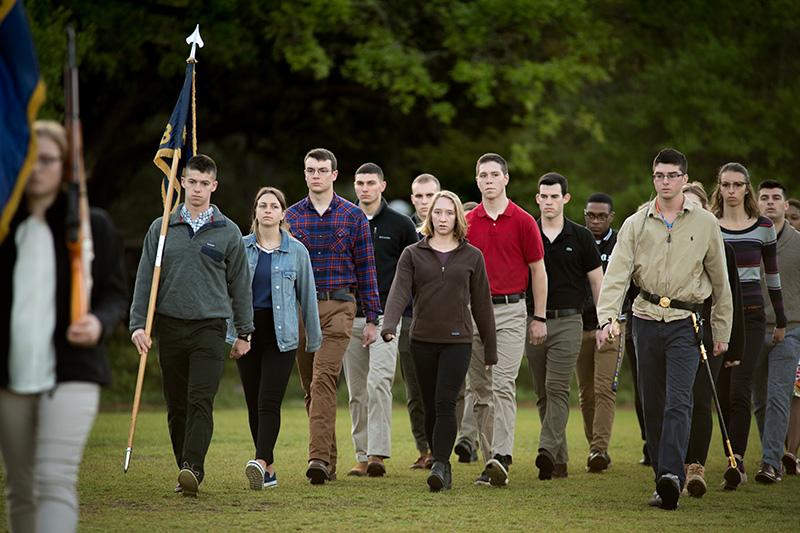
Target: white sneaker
[(254, 473)]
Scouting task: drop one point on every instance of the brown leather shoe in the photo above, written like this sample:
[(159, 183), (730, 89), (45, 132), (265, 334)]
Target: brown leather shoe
[(429, 462), (375, 466), (317, 472), (359, 470), (419, 464)]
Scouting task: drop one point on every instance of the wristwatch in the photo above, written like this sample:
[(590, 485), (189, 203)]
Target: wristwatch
[(541, 319), (245, 336)]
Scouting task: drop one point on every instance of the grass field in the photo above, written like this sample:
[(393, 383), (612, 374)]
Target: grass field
[(142, 499)]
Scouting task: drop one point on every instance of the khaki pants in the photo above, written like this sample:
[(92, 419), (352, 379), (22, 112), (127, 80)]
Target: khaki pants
[(42, 437), (370, 373), (319, 375), (495, 391), (552, 365), (595, 372)]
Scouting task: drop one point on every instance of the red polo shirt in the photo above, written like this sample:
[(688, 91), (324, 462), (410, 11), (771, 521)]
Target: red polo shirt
[(509, 244)]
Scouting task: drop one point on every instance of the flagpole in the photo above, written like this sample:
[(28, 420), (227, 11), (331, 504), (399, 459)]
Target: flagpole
[(151, 306), (195, 40)]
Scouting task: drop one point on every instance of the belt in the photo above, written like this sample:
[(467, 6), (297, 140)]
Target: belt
[(754, 307), (508, 298), (665, 302), (343, 295), (560, 313)]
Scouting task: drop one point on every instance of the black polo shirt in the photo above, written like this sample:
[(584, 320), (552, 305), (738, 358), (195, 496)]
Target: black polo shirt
[(605, 246), (567, 260), (391, 232)]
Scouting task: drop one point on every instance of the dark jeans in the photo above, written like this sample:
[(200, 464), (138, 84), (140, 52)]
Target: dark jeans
[(265, 372), (441, 370), (703, 411), (192, 355), (667, 358), (416, 411), (630, 355), (736, 383)]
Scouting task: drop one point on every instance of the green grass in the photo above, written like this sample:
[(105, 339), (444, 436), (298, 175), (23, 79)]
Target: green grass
[(142, 499)]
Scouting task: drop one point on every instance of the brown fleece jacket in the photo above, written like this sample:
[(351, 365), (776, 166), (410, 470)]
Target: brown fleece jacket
[(443, 297)]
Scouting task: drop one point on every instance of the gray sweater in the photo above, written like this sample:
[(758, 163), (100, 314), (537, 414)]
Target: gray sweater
[(203, 275), (789, 269)]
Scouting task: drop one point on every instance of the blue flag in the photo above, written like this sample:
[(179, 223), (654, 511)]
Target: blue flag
[(178, 139), (21, 95)]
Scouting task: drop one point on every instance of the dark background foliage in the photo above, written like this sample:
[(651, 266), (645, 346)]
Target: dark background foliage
[(590, 89)]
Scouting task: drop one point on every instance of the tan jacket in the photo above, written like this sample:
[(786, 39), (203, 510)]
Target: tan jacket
[(688, 265)]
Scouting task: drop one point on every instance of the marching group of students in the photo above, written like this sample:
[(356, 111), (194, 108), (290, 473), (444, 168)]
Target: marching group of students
[(459, 295)]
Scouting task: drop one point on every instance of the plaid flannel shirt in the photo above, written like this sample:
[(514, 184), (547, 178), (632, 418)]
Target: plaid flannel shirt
[(340, 245)]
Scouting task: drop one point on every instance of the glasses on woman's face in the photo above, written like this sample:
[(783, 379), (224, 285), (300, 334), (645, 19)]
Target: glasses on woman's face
[(735, 185), (47, 160)]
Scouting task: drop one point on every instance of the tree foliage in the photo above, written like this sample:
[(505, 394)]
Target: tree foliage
[(590, 89)]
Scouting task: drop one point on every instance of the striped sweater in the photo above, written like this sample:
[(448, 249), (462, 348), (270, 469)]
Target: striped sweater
[(752, 246)]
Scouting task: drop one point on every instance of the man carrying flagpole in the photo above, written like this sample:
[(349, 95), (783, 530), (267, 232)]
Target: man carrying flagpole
[(205, 250)]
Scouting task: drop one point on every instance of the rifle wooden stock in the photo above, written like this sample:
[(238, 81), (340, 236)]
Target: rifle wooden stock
[(79, 229)]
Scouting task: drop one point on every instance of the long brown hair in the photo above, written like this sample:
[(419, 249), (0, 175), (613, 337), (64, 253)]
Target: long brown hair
[(460, 228), (750, 202), (281, 200)]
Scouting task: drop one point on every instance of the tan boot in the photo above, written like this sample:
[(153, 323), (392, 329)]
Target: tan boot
[(359, 470), (695, 480)]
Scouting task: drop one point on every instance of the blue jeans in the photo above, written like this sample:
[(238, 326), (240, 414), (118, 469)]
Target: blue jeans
[(773, 383), (668, 357)]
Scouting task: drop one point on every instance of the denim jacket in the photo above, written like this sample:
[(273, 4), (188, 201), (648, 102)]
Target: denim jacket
[(292, 283)]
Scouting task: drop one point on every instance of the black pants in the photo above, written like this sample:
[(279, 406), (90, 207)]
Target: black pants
[(668, 359), (703, 411), (630, 355), (441, 370), (736, 383), (265, 371), (192, 355)]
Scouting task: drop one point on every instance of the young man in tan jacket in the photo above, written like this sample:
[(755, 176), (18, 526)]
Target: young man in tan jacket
[(673, 250)]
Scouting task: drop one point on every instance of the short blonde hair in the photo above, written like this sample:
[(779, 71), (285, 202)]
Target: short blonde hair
[(460, 229), (696, 188)]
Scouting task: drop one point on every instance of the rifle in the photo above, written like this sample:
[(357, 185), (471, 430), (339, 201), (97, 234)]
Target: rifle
[(79, 229)]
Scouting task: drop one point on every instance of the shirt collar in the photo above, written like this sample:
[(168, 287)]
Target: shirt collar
[(508, 211)]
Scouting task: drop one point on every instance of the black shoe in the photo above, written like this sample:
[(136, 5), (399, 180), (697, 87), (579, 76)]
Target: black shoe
[(317, 472), (734, 476), (497, 469), (768, 474), (483, 479), (645, 460), (545, 463), (669, 489), (448, 476), (189, 480), (465, 451), (438, 478), (790, 465), (560, 470), (598, 461)]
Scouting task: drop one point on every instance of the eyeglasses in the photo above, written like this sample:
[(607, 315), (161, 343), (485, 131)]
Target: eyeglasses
[(672, 176), (47, 160), (322, 171), (732, 184), (602, 217)]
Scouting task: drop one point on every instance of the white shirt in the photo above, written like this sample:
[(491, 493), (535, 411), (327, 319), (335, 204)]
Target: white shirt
[(32, 354)]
